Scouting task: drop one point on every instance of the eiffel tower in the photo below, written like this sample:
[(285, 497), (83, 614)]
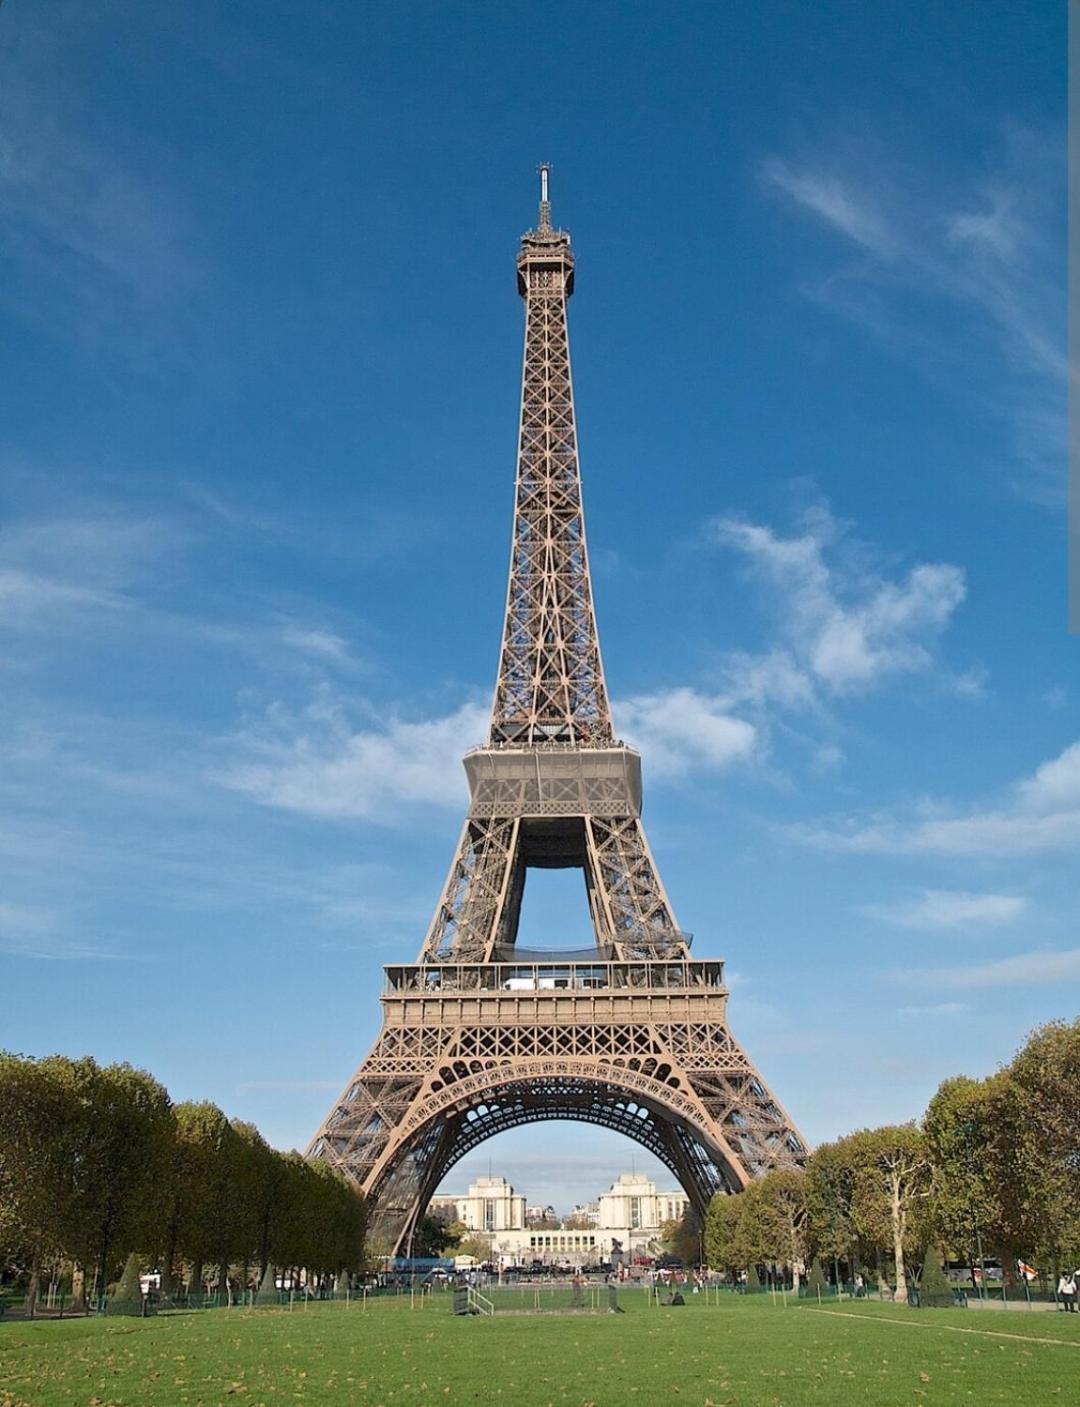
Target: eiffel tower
[(480, 1035)]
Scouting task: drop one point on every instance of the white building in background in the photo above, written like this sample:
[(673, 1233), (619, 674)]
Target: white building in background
[(633, 1211), (627, 1218), (490, 1204)]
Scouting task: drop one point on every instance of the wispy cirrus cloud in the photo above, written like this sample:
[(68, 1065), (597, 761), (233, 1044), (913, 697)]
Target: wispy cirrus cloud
[(833, 199), (988, 247), (33, 931), (1035, 969), (1039, 814), (949, 909), (93, 237)]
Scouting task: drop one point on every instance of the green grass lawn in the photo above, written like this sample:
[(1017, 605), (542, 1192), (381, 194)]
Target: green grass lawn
[(744, 1352)]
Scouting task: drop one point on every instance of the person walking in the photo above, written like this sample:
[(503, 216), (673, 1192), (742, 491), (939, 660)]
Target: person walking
[(1067, 1291)]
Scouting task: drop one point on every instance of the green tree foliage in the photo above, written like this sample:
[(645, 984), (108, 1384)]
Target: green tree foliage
[(1006, 1154), (259, 1170), (119, 1129), (35, 1164), (475, 1246), (721, 1228), (963, 1127), (208, 1199), (1040, 1157), (830, 1195), (95, 1164), (774, 1227), (682, 1238), (319, 1221), (436, 1236)]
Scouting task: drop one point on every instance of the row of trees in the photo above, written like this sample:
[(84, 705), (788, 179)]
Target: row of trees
[(96, 1162), (992, 1169)]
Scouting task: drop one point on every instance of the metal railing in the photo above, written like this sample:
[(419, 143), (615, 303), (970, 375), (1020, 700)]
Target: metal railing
[(644, 975)]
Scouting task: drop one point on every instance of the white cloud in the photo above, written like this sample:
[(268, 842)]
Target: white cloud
[(845, 625), (680, 729), (319, 765), (845, 628), (1023, 970), (1041, 813), (949, 909)]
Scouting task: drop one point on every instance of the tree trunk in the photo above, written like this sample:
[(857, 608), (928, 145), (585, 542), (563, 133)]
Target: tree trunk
[(167, 1263), (102, 1282), (78, 1289), (898, 1247), (195, 1288), (264, 1248), (34, 1288)]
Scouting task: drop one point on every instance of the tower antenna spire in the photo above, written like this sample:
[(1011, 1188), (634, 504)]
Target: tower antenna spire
[(545, 203)]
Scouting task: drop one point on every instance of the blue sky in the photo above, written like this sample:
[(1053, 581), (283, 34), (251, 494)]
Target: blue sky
[(261, 353)]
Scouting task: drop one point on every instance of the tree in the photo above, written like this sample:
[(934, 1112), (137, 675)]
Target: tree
[(433, 1236), (339, 1221), (1041, 1177), (721, 1232), (35, 1162), (773, 1226), (892, 1183), (578, 1221), (961, 1131), (475, 1246), (206, 1195), (261, 1173), (127, 1298), (682, 1238), (120, 1135), (830, 1191), (294, 1233), (935, 1292)]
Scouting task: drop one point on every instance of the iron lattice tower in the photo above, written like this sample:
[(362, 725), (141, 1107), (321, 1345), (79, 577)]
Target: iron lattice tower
[(480, 1035)]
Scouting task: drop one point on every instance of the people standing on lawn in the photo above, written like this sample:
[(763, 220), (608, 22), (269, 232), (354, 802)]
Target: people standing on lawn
[(1067, 1290)]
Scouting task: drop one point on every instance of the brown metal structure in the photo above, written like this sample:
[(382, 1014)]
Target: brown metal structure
[(480, 1035)]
